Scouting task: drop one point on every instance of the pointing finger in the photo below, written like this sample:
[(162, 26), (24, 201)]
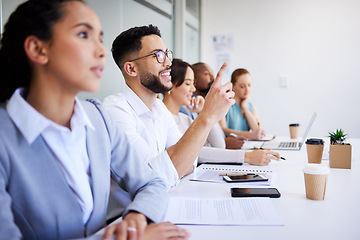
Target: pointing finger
[(219, 76)]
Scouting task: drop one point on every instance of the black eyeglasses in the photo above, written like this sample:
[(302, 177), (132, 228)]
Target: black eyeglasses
[(160, 56)]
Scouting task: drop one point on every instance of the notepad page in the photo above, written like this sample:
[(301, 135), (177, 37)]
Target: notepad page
[(210, 173)]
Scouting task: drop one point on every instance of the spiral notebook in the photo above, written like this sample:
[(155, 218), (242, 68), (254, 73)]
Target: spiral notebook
[(211, 173)]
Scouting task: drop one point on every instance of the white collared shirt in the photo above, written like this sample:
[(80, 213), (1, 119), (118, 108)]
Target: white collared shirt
[(208, 153), (152, 131), (68, 146)]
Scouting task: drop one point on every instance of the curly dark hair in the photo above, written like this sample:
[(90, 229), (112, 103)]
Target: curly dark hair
[(129, 41)]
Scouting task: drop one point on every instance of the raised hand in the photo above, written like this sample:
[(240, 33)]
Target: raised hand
[(219, 98)]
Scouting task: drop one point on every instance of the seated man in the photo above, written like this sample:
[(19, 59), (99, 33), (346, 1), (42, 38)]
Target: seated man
[(145, 63)]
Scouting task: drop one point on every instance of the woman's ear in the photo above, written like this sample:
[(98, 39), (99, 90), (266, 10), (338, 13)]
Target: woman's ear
[(35, 50), (130, 68)]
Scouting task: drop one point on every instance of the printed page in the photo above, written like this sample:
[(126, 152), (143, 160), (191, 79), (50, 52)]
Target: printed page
[(222, 211), (251, 145)]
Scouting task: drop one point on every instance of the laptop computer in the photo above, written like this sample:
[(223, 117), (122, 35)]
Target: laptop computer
[(291, 144)]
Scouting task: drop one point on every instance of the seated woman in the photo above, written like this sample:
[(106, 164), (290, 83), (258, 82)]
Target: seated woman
[(182, 77), (57, 153), (242, 118), (204, 78)]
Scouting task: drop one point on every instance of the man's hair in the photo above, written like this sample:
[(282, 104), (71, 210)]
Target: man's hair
[(196, 67), (237, 73), (129, 42), (198, 64)]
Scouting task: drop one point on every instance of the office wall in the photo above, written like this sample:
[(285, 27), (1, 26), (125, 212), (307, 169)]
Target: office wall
[(7, 7), (115, 16), (311, 44), (110, 16)]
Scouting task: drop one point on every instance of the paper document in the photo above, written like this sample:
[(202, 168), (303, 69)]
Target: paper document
[(222, 211), (251, 145), (210, 173)]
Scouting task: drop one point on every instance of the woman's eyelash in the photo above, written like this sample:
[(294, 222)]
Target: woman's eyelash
[(83, 34)]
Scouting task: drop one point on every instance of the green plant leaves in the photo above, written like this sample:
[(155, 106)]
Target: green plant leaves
[(338, 136)]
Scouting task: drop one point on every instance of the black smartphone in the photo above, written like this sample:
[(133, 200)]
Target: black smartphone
[(250, 177), (255, 192)]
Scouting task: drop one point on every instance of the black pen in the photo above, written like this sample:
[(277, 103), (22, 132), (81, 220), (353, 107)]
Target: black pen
[(235, 174), (260, 148)]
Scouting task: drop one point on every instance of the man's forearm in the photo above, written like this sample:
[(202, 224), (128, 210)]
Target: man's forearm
[(185, 151)]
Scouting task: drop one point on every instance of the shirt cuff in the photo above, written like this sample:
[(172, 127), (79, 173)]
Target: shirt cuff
[(164, 167), (219, 155), (241, 157)]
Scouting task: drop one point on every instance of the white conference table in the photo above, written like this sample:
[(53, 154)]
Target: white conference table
[(336, 217)]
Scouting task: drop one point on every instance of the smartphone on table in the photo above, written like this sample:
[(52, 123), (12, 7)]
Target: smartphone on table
[(255, 192), (249, 177)]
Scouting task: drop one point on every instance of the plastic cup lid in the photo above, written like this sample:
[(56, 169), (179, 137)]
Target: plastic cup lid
[(314, 168), (294, 124), (315, 141)]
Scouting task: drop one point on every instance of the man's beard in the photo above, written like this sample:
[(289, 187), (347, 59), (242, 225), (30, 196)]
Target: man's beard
[(153, 83)]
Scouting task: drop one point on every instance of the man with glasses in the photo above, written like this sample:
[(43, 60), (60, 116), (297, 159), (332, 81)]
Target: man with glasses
[(145, 64)]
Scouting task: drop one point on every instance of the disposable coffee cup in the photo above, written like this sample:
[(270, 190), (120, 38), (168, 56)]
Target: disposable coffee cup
[(294, 130), (316, 176), (315, 148)]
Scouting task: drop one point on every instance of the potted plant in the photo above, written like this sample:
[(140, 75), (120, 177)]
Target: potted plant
[(340, 151)]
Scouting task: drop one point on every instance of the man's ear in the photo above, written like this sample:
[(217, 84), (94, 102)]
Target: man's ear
[(131, 69), (35, 50)]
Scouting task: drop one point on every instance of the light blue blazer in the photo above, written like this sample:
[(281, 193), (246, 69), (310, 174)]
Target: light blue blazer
[(35, 199)]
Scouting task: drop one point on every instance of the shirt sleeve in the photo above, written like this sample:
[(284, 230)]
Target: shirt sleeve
[(164, 167), (216, 137), (147, 190), (173, 133), (218, 155), (161, 163), (8, 228)]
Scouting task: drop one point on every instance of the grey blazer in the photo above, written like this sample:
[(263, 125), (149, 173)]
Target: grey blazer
[(35, 199)]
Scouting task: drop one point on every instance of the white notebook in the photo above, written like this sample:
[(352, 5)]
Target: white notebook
[(210, 173)]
